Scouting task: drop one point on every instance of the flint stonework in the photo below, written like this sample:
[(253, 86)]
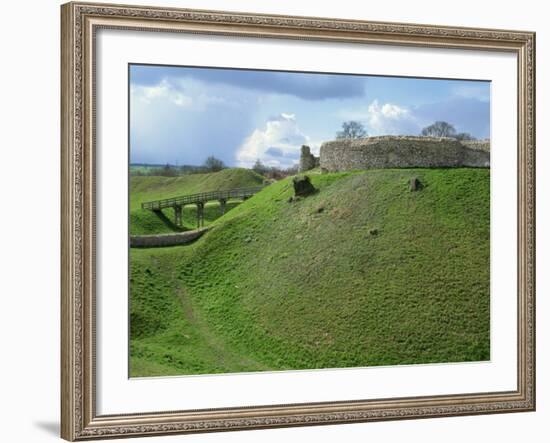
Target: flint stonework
[(307, 159), (402, 152)]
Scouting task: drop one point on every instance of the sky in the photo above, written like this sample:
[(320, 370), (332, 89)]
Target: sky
[(182, 115)]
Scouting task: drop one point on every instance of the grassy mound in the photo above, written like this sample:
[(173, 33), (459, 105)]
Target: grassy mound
[(365, 272), (148, 188)]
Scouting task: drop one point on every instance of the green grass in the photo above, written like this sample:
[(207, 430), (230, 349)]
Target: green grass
[(362, 273), (148, 188)]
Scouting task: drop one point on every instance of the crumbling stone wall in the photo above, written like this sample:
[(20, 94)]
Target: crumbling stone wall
[(307, 159), (479, 145), (402, 152), (180, 238)]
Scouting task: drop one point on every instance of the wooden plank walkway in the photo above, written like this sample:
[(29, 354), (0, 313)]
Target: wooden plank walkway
[(202, 197)]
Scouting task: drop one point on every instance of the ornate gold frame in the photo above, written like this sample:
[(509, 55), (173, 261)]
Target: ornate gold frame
[(80, 21)]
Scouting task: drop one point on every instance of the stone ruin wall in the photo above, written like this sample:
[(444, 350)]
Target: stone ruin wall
[(157, 240), (480, 145), (307, 159), (402, 152)]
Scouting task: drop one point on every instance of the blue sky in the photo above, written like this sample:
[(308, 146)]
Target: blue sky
[(182, 115)]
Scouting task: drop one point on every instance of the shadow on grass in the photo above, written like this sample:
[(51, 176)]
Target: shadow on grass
[(169, 223)]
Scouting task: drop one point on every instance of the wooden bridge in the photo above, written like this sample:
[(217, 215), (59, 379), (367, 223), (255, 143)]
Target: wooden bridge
[(177, 203)]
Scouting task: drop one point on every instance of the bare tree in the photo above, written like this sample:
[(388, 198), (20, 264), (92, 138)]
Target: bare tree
[(439, 129), (213, 164), (351, 129), (259, 167)]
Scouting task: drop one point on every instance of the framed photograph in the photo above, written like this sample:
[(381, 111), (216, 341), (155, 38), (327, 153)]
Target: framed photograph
[(283, 221)]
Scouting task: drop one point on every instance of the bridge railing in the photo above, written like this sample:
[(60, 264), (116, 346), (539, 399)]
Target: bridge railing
[(202, 197)]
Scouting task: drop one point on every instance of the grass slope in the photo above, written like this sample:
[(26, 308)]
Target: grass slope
[(362, 273), (148, 188)]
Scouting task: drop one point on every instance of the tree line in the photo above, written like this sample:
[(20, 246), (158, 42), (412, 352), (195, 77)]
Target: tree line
[(354, 129), (274, 172), (211, 164)]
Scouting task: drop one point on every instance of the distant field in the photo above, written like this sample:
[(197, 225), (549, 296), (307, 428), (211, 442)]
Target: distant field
[(148, 188), (362, 273), (143, 169)]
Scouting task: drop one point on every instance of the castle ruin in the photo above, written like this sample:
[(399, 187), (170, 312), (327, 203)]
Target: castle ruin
[(397, 152), (307, 159)]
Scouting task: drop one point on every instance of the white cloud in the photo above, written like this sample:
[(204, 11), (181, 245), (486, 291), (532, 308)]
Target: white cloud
[(388, 118), (163, 91), (278, 144), (384, 119)]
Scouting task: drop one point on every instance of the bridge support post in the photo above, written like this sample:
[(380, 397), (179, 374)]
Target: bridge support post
[(177, 215), (200, 214), (223, 202)]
